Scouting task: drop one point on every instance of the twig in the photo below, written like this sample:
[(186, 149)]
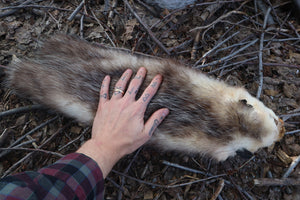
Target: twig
[(4, 135), (182, 167), (195, 45), (106, 6), (113, 6), (15, 9), (71, 17), (292, 132), (281, 40), (227, 57), (287, 116), (146, 28), (77, 138), (276, 181), (36, 6), (23, 143), (125, 172), (216, 21), (20, 110), (180, 46), (28, 133), (292, 167), (261, 45), (266, 11), (215, 47), (276, 64), (168, 186), (111, 41), (7, 172), (210, 175), (114, 183), (32, 149), (81, 26), (294, 29), (222, 17), (218, 190), (206, 14), (232, 64)]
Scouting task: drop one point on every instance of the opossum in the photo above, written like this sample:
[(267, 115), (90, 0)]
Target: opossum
[(207, 116)]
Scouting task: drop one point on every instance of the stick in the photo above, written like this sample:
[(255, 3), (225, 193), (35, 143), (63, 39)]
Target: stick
[(74, 140), (81, 26), (260, 68), (222, 17), (227, 57), (34, 150), (215, 47), (292, 167), (71, 17), (182, 167), (15, 9), (263, 8), (232, 64), (292, 132), (125, 172), (7, 172), (287, 116), (276, 181), (206, 14), (219, 190), (168, 186), (28, 133), (20, 110), (276, 64), (147, 28), (111, 41), (35, 6), (5, 134)]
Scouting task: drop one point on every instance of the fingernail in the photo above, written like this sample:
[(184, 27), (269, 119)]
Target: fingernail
[(143, 69), (166, 112)]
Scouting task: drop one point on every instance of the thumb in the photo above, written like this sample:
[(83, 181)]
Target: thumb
[(156, 118)]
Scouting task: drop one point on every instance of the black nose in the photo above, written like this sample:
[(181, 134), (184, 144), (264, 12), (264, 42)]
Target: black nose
[(244, 153)]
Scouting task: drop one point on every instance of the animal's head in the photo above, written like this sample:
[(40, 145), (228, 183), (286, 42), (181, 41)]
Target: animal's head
[(258, 127)]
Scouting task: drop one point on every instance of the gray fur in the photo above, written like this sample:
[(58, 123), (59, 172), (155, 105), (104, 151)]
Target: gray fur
[(68, 67)]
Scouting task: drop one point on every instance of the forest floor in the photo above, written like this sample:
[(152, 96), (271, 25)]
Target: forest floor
[(228, 40)]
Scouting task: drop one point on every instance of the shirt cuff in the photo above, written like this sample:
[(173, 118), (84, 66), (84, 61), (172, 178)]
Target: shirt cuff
[(80, 173)]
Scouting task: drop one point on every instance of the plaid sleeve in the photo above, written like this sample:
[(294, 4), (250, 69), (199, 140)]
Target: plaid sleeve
[(75, 176)]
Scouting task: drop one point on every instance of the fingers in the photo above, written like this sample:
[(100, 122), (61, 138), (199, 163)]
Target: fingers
[(136, 83), (104, 95), (155, 119), (121, 84), (150, 90)]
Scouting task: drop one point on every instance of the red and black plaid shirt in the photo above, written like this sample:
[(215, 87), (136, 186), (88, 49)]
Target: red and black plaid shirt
[(74, 176)]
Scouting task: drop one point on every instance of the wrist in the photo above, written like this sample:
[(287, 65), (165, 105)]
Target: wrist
[(104, 157)]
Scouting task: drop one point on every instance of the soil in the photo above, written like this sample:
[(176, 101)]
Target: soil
[(149, 173)]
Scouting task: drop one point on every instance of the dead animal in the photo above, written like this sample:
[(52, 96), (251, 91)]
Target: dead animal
[(207, 116)]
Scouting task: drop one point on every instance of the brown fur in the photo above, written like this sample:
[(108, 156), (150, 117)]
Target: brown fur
[(203, 111)]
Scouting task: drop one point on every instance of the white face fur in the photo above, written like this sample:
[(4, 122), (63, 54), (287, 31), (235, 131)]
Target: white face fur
[(272, 129)]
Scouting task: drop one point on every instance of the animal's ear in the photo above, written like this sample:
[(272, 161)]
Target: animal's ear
[(244, 153), (244, 102)]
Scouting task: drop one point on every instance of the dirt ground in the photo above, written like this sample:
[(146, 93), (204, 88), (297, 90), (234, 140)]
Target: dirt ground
[(221, 38)]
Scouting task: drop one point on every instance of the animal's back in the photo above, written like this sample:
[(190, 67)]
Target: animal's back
[(206, 116)]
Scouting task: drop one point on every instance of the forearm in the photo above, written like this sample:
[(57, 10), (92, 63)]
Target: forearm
[(74, 176)]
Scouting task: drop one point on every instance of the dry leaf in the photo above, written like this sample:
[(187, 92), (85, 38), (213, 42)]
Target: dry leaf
[(129, 27)]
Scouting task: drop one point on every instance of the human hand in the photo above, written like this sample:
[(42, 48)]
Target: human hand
[(119, 126)]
